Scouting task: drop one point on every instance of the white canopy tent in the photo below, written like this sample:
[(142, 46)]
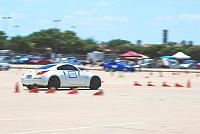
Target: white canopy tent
[(181, 55), (144, 56)]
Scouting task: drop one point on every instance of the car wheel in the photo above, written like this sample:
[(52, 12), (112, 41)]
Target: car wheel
[(95, 83), (54, 82)]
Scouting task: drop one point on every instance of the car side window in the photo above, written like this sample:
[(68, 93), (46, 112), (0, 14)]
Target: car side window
[(67, 67)]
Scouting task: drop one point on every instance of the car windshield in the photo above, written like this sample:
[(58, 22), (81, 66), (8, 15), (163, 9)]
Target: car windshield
[(123, 63), (46, 66)]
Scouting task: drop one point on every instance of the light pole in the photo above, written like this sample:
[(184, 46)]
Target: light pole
[(57, 21), (73, 27), (55, 45), (6, 18)]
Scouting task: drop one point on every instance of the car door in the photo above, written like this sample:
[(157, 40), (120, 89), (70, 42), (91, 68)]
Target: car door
[(72, 75)]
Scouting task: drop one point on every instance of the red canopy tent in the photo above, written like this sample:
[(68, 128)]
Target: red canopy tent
[(130, 54)]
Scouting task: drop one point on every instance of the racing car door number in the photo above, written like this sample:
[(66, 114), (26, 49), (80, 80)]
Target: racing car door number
[(72, 74)]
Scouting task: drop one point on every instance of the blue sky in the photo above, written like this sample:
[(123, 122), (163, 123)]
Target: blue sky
[(104, 20)]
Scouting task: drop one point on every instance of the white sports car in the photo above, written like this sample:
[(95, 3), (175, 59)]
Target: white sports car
[(59, 76)]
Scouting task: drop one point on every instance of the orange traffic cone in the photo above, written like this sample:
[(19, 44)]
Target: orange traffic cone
[(136, 83), (99, 93), (51, 90), (17, 87), (35, 89), (189, 84), (165, 84), (150, 84), (178, 85), (73, 91)]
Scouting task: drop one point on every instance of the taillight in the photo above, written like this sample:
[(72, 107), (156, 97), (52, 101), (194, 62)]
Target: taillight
[(42, 72)]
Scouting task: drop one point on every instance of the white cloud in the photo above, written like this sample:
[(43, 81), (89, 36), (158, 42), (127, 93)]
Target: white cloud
[(89, 18), (182, 17), (50, 1), (18, 15), (28, 1), (190, 17), (45, 21), (36, 1), (103, 4), (120, 19), (164, 18), (81, 13)]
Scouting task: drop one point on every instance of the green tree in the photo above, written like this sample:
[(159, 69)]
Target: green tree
[(117, 42), (152, 51), (118, 45), (194, 52), (168, 50), (70, 42), (90, 45), (49, 38), (2, 40), (20, 45)]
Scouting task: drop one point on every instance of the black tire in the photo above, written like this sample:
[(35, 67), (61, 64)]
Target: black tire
[(95, 83), (54, 82)]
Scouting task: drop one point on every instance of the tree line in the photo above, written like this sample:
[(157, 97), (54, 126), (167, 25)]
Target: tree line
[(68, 42)]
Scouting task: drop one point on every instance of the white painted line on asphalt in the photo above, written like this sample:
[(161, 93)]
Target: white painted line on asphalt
[(77, 128), (24, 118)]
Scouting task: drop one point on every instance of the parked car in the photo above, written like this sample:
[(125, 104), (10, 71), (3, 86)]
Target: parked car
[(117, 65), (21, 59), (169, 63), (15, 59), (39, 60), (145, 63), (72, 60), (198, 65), (190, 64), (60, 75), (4, 65)]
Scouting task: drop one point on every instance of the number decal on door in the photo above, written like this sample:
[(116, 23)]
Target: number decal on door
[(72, 74)]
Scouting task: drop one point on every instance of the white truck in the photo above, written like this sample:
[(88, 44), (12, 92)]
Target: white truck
[(95, 56)]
